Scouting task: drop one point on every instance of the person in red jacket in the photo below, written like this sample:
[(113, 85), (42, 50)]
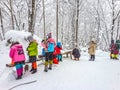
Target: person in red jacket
[(112, 46), (58, 49), (115, 52)]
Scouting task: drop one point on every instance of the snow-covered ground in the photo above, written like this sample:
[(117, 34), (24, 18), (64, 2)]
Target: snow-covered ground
[(101, 74)]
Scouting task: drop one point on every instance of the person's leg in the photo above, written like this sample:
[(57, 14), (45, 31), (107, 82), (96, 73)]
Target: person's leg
[(111, 54), (21, 69), (30, 60), (116, 56), (46, 62), (18, 70), (93, 57), (50, 60), (60, 57), (34, 65), (90, 58)]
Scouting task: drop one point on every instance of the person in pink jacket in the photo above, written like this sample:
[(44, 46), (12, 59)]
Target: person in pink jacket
[(17, 55)]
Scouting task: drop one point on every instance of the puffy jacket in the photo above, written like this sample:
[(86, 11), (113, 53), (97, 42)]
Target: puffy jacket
[(115, 50), (76, 53), (50, 44), (17, 53), (92, 48), (58, 50), (112, 46), (33, 48)]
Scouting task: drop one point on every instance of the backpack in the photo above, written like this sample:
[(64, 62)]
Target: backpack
[(50, 47)]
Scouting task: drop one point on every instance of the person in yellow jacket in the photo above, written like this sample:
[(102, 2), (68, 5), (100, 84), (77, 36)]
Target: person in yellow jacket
[(91, 50), (33, 52)]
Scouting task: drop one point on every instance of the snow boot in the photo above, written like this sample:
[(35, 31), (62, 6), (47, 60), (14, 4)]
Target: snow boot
[(46, 69), (34, 71), (93, 57), (50, 67), (19, 77), (31, 70)]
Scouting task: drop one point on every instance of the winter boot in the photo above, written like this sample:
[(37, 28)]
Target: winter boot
[(34, 71), (19, 77), (93, 57), (50, 67), (90, 58), (46, 69), (31, 70)]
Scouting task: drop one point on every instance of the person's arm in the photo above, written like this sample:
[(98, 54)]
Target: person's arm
[(11, 53)]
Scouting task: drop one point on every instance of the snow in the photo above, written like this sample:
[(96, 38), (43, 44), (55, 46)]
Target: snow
[(101, 74)]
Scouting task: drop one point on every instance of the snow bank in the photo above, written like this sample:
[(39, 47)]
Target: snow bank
[(21, 36)]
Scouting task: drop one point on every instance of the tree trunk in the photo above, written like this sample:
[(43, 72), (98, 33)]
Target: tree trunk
[(1, 20), (78, 4), (12, 16), (31, 17), (57, 21), (113, 19), (118, 26), (44, 19)]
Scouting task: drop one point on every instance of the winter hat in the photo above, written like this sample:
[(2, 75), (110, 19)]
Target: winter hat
[(49, 35), (30, 38), (93, 39), (13, 43), (112, 41), (58, 44)]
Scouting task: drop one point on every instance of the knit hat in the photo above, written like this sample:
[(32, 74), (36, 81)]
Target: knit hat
[(93, 39), (49, 35), (30, 38), (58, 44), (112, 41)]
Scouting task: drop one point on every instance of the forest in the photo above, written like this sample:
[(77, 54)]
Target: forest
[(73, 22)]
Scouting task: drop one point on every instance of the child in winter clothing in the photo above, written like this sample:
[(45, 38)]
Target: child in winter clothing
[(49, 49), (43, 49), (112, 46), (33, 52), (17, 55), (91, 50), (76, 53), (55, 59), (58, 49), (115, 52)]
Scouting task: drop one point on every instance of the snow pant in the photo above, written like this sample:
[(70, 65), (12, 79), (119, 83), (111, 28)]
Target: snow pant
[(48, 60), (32, 59), (19, 69), (92, 57), (114, 56), (111, 54), (59, 57)]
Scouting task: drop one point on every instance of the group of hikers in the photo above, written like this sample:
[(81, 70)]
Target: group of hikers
[(52, 53)]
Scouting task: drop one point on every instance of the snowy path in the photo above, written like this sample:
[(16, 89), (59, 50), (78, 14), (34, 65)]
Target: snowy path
[(102, 74)]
